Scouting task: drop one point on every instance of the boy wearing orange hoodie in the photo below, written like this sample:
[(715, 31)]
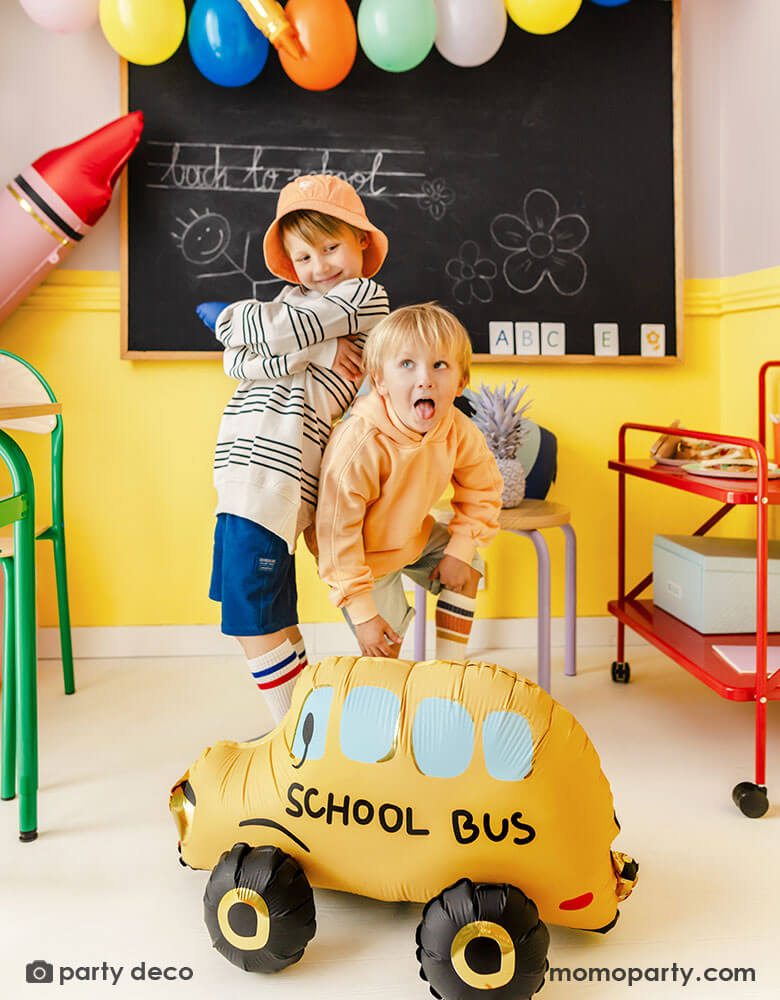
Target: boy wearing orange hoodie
[(383, 470)]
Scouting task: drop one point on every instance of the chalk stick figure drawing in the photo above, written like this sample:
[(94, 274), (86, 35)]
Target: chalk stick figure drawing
[(436, 198), (471, 275), (542, 244), (204, 239)]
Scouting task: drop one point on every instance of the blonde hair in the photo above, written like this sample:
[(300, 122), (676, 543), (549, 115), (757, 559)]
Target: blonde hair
[(425, 323), (308, 224)]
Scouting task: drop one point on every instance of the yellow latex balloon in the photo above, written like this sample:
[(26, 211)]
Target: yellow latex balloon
[(542, 17), (143, 31)]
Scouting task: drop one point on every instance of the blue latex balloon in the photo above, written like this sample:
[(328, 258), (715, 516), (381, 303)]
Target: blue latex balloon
[(610, 3), (224, 44)]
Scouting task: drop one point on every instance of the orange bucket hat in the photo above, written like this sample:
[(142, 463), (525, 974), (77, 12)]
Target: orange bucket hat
[(329, 195)]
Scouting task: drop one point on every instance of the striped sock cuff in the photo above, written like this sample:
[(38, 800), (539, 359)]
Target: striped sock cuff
[(275, 668), (454, 618), (455, 613)]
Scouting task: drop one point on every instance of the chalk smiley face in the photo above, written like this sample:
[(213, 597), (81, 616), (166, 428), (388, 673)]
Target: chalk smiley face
[(204, 238)]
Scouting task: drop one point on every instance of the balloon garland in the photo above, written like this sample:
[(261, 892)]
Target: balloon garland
[(316, 39)]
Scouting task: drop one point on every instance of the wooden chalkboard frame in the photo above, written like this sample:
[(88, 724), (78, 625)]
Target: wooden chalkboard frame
[(127, 353)]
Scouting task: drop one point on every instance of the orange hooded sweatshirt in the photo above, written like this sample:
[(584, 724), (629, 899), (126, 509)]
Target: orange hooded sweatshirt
[(378, 482)]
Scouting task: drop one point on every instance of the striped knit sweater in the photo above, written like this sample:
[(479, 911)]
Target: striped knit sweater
[(275, 427)]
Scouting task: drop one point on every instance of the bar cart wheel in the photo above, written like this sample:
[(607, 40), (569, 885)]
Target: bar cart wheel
[(751, 799), (621, 672)]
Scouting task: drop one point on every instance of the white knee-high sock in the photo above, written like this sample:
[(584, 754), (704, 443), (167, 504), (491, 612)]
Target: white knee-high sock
[(454, 618), (275, 674)]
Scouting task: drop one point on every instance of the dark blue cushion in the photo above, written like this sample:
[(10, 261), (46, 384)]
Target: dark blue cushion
[(544, 470)]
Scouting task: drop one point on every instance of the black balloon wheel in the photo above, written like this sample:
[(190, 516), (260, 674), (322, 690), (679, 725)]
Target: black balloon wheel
[(259, 908), (476, 940)]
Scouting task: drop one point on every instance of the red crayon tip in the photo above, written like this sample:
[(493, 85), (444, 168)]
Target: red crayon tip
[(83, 174)]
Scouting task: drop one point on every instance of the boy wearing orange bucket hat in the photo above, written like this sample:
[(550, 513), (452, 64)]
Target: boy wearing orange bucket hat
[(298, 362)]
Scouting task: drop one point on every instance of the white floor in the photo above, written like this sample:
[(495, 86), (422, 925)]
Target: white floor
[(102, 884)]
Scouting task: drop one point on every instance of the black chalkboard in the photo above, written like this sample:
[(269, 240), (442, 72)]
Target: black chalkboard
[(536, 189)]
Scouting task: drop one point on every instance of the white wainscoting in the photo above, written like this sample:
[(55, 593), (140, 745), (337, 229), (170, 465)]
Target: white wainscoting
[(322, 638)]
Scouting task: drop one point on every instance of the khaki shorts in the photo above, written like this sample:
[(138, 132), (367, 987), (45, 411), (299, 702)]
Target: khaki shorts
[(388, 593)]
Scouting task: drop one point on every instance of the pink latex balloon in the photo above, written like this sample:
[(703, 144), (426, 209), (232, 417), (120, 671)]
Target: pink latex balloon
[(468, 33), (62, 15)]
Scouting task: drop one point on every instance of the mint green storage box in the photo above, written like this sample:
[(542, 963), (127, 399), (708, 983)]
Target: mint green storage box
[(710, 583)]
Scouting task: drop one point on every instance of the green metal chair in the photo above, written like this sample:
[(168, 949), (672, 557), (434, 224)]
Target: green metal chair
[(20, 382)]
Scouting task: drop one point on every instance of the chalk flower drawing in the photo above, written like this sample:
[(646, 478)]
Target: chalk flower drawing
[(542, 244), (471, 274), (436, 197)]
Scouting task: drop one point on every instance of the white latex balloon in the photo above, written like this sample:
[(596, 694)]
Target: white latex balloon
[(62, 15), (469, 33)]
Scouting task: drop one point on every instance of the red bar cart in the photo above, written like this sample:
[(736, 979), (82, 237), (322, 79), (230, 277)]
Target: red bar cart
[(683, 644)]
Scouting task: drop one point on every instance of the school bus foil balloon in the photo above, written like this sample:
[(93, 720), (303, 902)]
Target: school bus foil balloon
[(461, 785)]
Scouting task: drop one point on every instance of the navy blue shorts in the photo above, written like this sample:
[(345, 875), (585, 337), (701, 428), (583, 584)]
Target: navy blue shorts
[(253, 575)]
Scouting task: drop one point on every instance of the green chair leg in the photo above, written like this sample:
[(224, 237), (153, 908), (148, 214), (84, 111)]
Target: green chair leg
[(66, 643), (27, 664), (8, 783), (25, 639)]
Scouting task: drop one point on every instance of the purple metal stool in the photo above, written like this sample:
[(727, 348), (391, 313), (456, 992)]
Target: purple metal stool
[(527, 520)]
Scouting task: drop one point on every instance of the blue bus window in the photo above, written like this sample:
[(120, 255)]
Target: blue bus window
[(369, 721), (508, 746), (442, 738), (309, 740)]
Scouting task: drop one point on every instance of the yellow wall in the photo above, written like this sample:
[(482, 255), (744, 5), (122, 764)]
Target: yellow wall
[(140, 435)]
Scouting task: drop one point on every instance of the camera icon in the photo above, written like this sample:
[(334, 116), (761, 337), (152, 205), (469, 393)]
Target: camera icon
[(40, 972)]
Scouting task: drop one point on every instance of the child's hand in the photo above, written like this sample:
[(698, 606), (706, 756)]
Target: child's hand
[(349, 359), (208, 312), (453, 573), (310, 537), (375, 637)]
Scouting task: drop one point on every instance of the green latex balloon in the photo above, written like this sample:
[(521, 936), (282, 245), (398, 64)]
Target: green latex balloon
[(396, 35)]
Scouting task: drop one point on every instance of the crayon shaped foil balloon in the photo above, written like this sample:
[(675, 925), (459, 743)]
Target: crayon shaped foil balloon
[(268, 16), (51, 205), (461, 785)]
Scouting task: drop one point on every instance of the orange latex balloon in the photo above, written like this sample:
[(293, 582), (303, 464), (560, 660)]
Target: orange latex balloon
[(326, 29)]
